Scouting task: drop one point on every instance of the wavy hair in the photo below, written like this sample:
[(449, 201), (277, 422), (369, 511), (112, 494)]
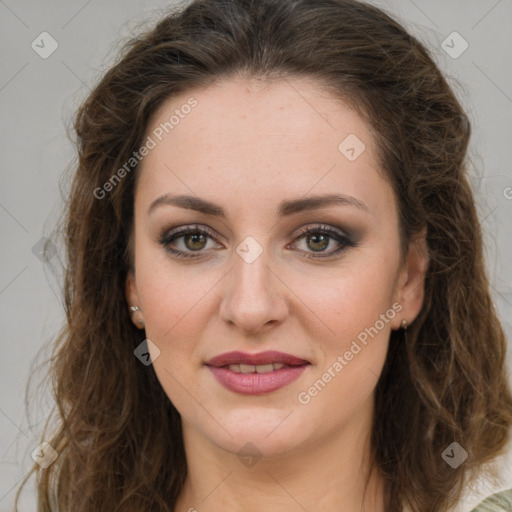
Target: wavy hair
[(117, 434)]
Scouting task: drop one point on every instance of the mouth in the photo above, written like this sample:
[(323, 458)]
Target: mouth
[(252, 368), (256, 374)]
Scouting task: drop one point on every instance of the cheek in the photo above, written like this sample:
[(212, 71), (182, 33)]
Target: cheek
[(344, 301), (176, 312), (175, 304), (353, 310), (178, 306), (357, 314)]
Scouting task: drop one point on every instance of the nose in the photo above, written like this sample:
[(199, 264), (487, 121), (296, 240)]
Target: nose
[(255, 298)]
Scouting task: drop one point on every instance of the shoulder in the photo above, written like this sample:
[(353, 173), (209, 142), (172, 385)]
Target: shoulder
[(499, 502)]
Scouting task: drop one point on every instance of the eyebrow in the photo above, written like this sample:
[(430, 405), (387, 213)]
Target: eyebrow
[(286, 208)]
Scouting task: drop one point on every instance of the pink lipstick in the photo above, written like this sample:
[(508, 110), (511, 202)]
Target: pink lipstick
[(256, 374)]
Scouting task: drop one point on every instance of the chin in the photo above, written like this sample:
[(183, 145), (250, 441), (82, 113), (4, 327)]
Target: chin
[(273, 432)]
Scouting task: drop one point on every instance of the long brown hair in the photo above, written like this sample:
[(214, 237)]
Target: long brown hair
[(117, 434)]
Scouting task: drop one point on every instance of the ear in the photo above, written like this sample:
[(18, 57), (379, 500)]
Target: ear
[(130, 289), (410, 292), (132, 298)]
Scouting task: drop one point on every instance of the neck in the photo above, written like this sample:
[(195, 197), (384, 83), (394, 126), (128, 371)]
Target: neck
[(331, 473)]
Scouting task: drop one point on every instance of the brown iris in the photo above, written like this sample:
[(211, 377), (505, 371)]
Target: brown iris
[(198, 241), (318, 239)]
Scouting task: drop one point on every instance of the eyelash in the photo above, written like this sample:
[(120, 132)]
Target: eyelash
[(167, 238)]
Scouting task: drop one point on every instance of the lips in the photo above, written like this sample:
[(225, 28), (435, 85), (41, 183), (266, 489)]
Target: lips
[(256, 374)]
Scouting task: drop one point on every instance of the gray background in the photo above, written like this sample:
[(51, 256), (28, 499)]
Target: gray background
[(37, 100)]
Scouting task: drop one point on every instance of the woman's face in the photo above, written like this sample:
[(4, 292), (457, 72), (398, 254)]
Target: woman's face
[(255, 162)]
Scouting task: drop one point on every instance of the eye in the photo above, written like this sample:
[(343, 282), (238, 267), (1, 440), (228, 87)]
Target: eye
[(193, 239), (318, 238)]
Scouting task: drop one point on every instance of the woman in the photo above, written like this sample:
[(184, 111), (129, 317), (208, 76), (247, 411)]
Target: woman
[(275, 291)]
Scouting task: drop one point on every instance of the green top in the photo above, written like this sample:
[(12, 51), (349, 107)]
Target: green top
[(500, 502)]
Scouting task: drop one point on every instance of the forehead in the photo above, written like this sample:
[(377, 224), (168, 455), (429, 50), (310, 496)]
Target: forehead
[(277, 112), (284, 137)]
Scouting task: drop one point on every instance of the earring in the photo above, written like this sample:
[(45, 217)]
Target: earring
[(404, 325), (136, 308)]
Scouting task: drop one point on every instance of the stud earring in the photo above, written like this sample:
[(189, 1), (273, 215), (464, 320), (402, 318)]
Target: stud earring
[(404, 325), (136, 308)]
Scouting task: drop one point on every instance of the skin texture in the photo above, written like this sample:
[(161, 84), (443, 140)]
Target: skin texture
[(247, 146)]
